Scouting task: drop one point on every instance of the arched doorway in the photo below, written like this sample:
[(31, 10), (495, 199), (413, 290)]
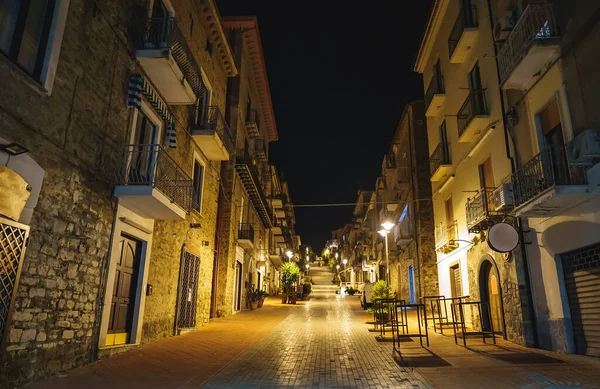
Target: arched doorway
[(490, 292)]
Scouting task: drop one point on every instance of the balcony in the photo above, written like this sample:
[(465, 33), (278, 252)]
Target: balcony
[(473, 117), (163, 53), (248, 173), (212, 134), (435, 97), (150, 183), (464, 34), (446, 234), (260, 151), (480, 211), (547, 184), (246, 236), (403, 234), (533, 43), (252, 124), (275, 254), (277, 227), (440, 164)]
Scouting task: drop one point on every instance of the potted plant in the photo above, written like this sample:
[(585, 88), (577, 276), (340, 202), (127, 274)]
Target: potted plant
[(379, 292), (262, 296), (351, 291), (253, 297), (289, 276), (306, 288)]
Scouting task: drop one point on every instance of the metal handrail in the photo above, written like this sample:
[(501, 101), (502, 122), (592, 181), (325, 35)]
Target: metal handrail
[(467, 18), (246, 231), (151, 165), (210, 120), (536, 23), (446, 231), (436, 87), (547, 169), (252, 117), (475, 104), (479, 206), (440, 156), (164, 34), (243, 158)]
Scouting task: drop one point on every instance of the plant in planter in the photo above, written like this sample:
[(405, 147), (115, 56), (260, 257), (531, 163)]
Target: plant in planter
[(379, 292), (253, 297), (290, 272), (351, 291), (262, 295), (307, 288)]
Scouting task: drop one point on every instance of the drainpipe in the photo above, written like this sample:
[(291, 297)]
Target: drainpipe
[(513, 169)]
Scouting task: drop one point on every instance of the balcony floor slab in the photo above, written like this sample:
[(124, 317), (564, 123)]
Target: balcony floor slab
[(148, 202), (553, 201)]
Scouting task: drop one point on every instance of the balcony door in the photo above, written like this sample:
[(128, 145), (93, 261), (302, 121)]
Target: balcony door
[(553, 155), (161, 25), (144, 148), (476, 90), (445, 153)]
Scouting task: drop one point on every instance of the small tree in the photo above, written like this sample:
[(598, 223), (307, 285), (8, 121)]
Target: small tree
[(379, 292), (289, 275)]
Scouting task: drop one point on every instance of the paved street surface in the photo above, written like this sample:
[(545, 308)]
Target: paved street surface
[(321, 343)]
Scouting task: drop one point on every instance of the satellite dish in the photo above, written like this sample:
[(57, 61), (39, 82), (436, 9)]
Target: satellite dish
[(502, 237)]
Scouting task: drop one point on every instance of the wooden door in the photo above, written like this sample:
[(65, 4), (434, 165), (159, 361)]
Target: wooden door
[(238, 286), (494, 300), (123, 298), (455, 281)]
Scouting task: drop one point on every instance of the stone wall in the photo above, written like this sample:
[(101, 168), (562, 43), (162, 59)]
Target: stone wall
[(74, 135)]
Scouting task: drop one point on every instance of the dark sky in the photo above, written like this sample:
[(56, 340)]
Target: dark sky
[(339, 75)]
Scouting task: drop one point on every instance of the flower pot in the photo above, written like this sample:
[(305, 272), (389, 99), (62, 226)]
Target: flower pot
[(253, 305), (284, 299), (261, 302), (292, 300)]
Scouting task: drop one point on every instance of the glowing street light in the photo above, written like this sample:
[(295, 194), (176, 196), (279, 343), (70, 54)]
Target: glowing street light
[(387, 225), (385, 233), (337, 255), (289, 254), (307, 267), (345, 261)]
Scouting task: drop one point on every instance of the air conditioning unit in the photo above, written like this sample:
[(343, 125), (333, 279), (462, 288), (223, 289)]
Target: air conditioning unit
[(504, 198), (584, 149), (504, 26)]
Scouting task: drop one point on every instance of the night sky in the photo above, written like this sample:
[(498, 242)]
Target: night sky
[(340, 76)]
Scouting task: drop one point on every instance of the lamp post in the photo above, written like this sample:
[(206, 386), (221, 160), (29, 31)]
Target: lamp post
[(345, 261), (337, 268), (289, 254), (307, 267), (387, 226)]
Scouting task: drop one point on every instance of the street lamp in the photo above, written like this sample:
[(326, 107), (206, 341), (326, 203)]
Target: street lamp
[(307, 267), (345, 261), (387, 226), (337, 255), (289, 254), (337, 267)]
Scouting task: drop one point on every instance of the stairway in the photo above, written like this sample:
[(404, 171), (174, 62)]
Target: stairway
[(321, 278)]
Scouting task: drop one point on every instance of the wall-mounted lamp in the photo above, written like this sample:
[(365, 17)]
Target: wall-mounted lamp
[(13, 149)]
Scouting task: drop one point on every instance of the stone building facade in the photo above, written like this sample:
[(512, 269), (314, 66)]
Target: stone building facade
[(413, 264), (112, 225), (248, 214), (468, 161)]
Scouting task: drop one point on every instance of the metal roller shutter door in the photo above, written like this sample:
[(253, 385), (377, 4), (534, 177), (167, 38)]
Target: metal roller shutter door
[(582, 280)]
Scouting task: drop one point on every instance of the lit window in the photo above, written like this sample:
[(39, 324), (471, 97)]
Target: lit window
[(197, 189)]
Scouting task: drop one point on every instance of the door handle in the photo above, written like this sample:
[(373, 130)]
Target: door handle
[(126, 301)]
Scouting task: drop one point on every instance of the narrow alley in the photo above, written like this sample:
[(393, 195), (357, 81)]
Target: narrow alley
[(323, 342)]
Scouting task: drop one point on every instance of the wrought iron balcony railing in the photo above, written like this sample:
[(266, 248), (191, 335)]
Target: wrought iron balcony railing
[(163, 34), (480, 210), (210, 120), (548, 169), (436, 87), (446, 233), (150, 165), (474, 105), (536, 23), (252, 118), (246, 167), (246, 231), (440, 156), (467, 18)]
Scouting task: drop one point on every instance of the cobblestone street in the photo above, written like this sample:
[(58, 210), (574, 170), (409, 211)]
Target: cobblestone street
[(323, 343)]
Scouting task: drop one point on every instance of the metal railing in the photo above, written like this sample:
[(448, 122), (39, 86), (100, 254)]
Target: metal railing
[(474, 105), (163, 33), (440, 156), (243, 158), (479, 207), (446, 232), (150, 165), (436, 87), (252, 118), (403, 174), (536, 23), (467, 18), (210, 120), (246, 231), (547, 169)]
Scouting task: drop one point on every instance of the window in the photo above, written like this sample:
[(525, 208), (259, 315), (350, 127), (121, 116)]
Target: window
[(30, 35), (209, 47), (197, 185)]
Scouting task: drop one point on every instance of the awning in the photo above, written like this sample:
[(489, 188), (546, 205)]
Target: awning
[(140, 87)]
